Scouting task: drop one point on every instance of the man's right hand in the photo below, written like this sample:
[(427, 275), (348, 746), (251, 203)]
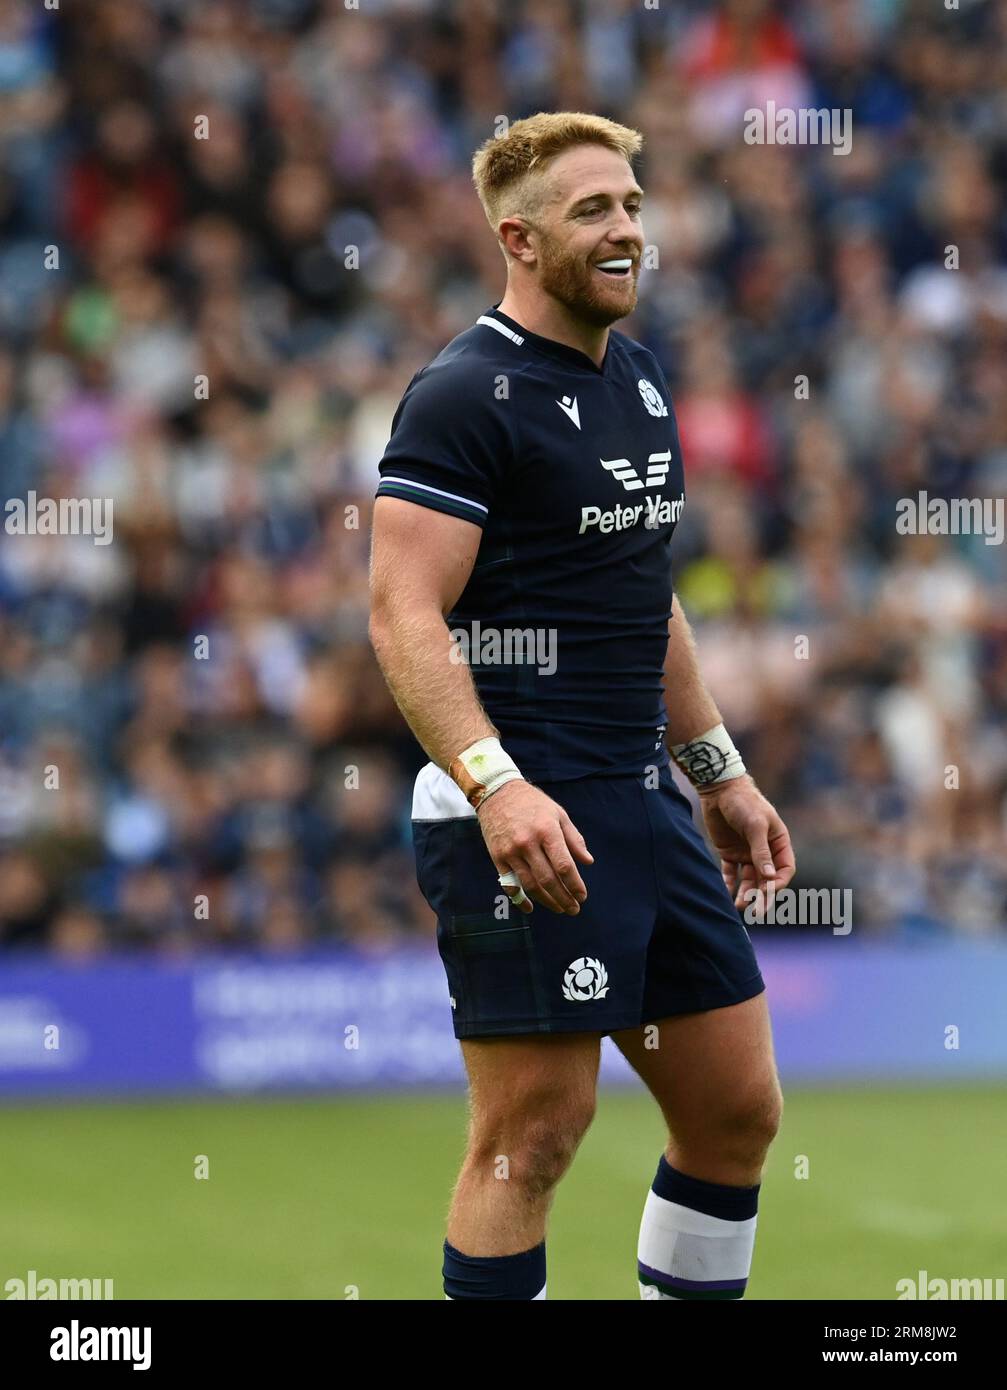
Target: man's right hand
[(530, 835)]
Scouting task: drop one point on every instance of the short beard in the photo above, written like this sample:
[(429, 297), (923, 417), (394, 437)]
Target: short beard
[(569, 280)]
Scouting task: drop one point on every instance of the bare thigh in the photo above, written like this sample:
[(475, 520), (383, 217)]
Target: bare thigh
[(531, 1100), (513, 1081), (714, 1076)]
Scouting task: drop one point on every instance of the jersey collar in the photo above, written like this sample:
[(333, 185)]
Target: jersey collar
[(570, 355)]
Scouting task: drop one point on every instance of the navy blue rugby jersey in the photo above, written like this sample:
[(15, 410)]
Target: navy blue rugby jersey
[(574, 473)]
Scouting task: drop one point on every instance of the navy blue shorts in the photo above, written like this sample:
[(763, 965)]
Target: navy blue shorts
[(658, 935)]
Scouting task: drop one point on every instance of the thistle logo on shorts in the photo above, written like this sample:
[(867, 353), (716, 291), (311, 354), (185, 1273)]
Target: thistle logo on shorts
[(651, 397), (585, 979)]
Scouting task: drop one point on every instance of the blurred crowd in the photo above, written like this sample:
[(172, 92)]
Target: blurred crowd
[(232, 230)]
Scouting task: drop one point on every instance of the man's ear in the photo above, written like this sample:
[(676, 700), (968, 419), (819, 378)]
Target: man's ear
[(514, 237)]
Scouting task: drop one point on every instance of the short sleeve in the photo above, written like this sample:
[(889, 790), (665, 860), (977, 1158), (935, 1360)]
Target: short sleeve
[(450, 444)]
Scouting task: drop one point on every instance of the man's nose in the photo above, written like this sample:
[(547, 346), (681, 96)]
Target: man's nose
[(626, 231)]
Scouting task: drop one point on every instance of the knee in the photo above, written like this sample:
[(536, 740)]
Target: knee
[(756, 1115), (747, 1123), (543, 1152), (534, 1147)]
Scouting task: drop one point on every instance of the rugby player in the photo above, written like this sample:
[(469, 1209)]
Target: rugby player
[(532, 485)]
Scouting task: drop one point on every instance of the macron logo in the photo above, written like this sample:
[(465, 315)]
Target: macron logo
[(569, 407)]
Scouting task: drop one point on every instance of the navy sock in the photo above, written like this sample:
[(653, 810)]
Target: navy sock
[(514, 1277), (729, 1203)]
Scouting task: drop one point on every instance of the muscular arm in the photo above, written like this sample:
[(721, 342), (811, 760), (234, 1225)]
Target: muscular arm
[(691, 710), (420, 563), (752, 841)]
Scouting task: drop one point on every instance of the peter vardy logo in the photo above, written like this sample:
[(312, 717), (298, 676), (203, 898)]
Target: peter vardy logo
[(585, 979), (657, 471), (655, 511)]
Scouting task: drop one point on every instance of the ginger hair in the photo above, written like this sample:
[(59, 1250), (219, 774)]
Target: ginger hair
[(508, 170)]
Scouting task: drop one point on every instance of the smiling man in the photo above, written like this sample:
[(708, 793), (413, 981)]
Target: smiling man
[(534, 480)]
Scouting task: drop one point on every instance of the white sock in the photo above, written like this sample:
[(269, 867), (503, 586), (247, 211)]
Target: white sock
[(688, 1252)]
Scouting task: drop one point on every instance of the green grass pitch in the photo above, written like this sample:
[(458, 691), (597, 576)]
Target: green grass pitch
[(307, 1198)]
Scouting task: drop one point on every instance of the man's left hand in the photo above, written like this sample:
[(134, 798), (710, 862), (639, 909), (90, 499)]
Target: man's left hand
[(751, 839)]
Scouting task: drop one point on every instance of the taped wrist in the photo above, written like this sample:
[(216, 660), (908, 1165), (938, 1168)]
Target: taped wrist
[(709, 758), (482, 769)]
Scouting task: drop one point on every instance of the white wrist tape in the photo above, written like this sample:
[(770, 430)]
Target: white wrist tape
[(709, 758), (482, 769)]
